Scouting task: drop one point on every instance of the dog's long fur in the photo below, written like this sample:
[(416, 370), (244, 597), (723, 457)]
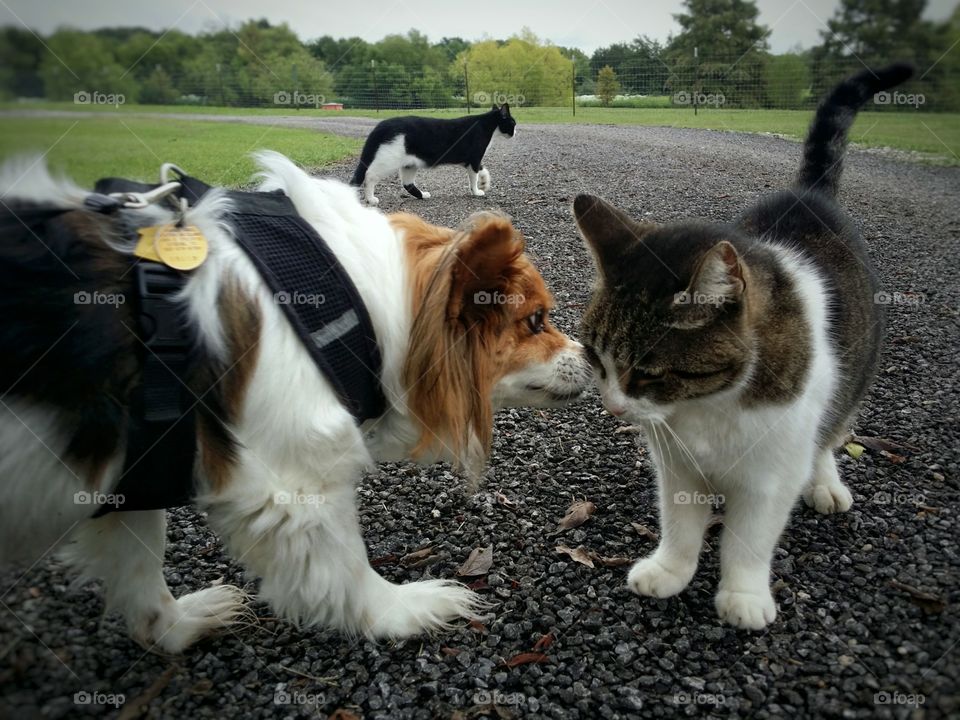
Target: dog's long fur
[(279, 455)]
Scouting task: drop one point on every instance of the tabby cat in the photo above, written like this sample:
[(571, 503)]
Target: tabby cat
[(743, 351)]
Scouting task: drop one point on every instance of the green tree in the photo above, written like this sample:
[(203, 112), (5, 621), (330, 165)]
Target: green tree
[(158, 89), (20, 53), (730, 46), (639, 65), (83, 63), (521, 69), (787, 81), (607, 85)]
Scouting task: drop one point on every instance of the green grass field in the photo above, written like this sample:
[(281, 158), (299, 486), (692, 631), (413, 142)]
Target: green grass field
[(91, 148), (936, 134)]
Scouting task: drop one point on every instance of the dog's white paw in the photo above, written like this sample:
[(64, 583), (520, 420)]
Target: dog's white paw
[(652, 578), (750, 610), (181, 622), (419, 607), (828, 499), (478, 193), (483, 179), (425, 194)]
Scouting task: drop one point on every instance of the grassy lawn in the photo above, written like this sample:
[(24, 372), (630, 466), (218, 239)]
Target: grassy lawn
[(934, 133), (217, 153)]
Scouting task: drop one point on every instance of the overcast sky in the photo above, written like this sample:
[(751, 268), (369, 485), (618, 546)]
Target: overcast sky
[(586, 24)]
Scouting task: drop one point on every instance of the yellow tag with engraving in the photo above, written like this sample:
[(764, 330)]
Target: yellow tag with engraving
[(146, 245), (182, 248)]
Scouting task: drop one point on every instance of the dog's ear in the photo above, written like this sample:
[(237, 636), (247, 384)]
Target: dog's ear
[(484, 266)]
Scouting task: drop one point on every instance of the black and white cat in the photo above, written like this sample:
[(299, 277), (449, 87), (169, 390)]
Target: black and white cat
[(713, 336), (407, 144)]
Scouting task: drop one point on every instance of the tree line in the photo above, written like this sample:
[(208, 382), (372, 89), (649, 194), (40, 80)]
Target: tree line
[(720, 51)]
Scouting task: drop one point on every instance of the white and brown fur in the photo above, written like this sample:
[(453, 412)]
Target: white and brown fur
[(268, 421), (743, 350)]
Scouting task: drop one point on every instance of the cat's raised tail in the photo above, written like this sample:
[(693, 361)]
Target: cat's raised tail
[(827, 140)]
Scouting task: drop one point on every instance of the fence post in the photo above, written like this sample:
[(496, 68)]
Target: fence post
[(573, 85), (293, 79), (376, 94), (696, 78), (466, 86)]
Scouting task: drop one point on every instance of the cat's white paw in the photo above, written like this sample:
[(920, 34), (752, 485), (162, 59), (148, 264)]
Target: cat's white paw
[(483, 179), (652, 578), (373, 201), (424, 195), (478, 193), (828, 499), (746, 609)]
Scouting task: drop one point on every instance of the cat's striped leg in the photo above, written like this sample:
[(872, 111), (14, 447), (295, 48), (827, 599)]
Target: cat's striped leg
[(407, 177)]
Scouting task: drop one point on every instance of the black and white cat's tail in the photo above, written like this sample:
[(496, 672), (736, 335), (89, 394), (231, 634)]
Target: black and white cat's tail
[(827, 139), (367, 155)]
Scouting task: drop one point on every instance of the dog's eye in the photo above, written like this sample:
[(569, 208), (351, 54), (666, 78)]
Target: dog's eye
[(535, 322)]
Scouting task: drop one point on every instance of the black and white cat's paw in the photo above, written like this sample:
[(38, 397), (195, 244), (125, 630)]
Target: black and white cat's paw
[(477, 192), (483, 180), (655, 578), (424, 195), (828, 499), (746, 609)]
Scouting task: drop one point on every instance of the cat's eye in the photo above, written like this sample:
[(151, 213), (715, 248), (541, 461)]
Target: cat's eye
[(535, 322), (641, 376), (695, 375)]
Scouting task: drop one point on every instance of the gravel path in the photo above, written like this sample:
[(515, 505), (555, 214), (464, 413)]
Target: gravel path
[(869, 600)]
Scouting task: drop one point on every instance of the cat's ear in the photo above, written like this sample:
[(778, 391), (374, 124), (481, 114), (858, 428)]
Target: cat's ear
[(505, 110), (484, 261), (718, 278), (607, 231)]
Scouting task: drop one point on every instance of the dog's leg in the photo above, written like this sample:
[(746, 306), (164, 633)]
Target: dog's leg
[(309, 552), (126, 550)]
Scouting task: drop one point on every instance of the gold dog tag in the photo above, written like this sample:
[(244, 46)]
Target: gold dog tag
[(146, 245), (182, 248)]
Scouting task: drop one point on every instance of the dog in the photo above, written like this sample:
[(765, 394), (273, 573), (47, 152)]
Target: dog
[(462, 324)]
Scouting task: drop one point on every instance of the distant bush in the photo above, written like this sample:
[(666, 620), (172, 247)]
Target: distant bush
[(627, 101)]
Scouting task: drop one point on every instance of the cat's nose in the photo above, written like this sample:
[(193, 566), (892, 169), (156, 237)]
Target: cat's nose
[(615, 409)]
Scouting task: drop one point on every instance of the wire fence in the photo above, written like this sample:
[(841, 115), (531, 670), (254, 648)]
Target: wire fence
[(751, 82)]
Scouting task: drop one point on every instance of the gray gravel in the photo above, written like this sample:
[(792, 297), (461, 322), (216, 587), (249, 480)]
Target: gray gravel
[(844, 635)]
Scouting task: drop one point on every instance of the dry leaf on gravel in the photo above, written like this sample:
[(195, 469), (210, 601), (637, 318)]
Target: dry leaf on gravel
[(525, 659), (577, 515), (544, 642), (926, 601), (136, 707), (342, 714), (417, 557), (479, 562), (580, 554), (645, 532)]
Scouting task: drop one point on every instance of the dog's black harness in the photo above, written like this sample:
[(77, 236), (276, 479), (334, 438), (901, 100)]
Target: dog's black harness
[(317, 296)]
